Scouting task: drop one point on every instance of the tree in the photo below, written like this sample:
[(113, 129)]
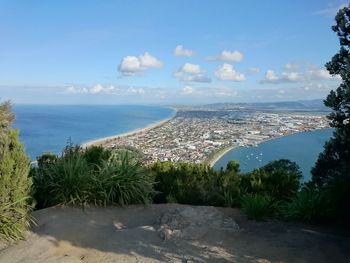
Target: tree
[(334, 162), (331, 172), (15, 185), (279, 179), (233, 166)]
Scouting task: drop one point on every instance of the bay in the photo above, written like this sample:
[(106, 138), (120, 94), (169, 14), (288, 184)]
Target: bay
[(302, 148)]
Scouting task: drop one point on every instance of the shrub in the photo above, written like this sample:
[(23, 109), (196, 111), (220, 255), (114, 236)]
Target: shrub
[(64, 180), (184, 182), (337, 195), (121, 182), (307, 205), (196, 184), (279, 179), (95, 176), (95, 155), (258, 206), (15, 202)]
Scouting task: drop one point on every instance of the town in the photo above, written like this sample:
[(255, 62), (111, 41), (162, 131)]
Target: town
[(199, 134)]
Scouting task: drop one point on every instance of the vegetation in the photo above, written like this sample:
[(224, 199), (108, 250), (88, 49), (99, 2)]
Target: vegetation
[(308, 205), (258, 206), (332, 169), (15, 185), (120, 182), (94, 175), (278, 179), (196, 184)]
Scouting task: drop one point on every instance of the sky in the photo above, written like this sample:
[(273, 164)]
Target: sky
[(166, 52)]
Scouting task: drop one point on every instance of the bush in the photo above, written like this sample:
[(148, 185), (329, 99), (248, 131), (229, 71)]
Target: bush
[(95, 176), (95, 155), (258, 206), (63, 180), (279, 179), (337, 194), (15, 185), (195, 184), (307, 205), (121, 182)]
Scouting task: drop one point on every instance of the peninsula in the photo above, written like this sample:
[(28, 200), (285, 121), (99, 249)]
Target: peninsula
[(204, 134)]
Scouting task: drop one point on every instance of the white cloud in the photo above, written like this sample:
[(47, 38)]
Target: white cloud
[(187, 90), (97, 89), (130, 65), (254, 70), (291, 67), (321, 74), (196, 78), (138, 91), (317, 87), (181, 51), (208, 92), (272, 77), (311, 73), (190, 68), (148, 61), (227, 72), (291, 76), (191, 73), (228, 56)]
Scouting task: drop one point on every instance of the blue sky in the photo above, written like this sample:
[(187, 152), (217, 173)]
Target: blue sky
[(164, 52)]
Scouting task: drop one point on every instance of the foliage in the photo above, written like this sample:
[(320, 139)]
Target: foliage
[(278, 179), (15, 202), (258, 206), (196, 184), (121, 182), (64, 180), (94, 175), (95, 155), (333, 164), (307, 205)]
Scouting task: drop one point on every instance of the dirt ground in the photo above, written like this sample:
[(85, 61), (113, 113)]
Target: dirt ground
[(171, 233)]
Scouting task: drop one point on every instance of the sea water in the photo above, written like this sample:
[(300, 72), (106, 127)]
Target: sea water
[(302, 148), (47, 128)]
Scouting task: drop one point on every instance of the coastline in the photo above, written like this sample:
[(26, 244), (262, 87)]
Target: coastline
[(104, 140), (220, 153)]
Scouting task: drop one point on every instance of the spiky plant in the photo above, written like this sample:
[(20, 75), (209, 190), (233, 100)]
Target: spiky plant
[(15, 185)]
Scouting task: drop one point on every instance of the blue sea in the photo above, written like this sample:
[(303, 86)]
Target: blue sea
[(47, 128), (302, 148)]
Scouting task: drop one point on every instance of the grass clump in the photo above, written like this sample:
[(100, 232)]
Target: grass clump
[(308, 205), (121, 182), (91, 176), (258, 206)]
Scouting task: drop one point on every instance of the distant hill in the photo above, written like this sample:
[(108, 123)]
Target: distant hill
[(302, 105)]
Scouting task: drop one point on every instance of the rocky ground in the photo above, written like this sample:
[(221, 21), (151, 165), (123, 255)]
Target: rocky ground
[(171, 233)]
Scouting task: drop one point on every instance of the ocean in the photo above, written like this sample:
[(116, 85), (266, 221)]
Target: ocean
[(302, 148), (47, 128)]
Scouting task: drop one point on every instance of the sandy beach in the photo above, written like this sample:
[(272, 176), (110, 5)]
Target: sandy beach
[(105, 140), (219, 155)]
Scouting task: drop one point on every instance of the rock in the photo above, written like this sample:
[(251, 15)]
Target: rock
[(191, 223)]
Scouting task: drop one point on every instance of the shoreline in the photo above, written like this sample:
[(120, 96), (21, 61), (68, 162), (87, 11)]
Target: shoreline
[(220, 154), (104, 140)]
